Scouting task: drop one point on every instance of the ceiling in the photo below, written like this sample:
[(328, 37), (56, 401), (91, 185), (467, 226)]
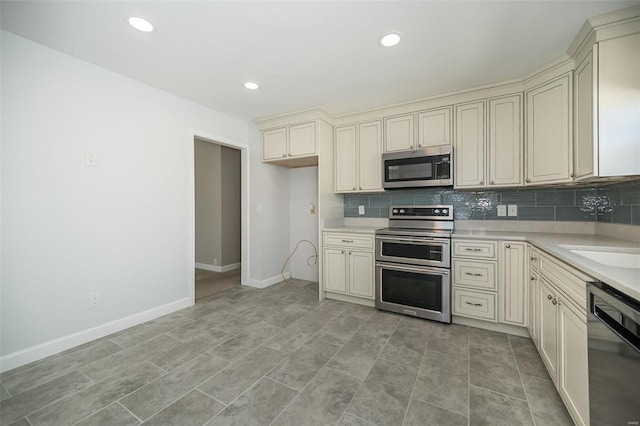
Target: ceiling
[(308, 53)]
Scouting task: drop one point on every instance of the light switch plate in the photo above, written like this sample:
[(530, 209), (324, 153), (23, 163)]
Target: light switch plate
[(513, 210), (360, 210), (502, 210)]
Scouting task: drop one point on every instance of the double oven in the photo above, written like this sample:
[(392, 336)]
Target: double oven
[(413, 262)]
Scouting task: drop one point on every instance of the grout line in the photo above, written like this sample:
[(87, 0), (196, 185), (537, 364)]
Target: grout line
[(524, 389), (28, 421), (129, 411), (87, 377)]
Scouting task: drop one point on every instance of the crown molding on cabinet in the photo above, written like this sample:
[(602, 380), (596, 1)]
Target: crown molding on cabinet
[(294, 117)]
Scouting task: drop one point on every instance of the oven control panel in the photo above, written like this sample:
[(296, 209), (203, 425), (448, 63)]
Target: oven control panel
[(421, 212)]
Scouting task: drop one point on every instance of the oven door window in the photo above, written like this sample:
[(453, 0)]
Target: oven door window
[(419, 290), (400, 250)]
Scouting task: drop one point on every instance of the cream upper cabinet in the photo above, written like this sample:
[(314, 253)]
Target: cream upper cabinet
[(370, 156), (505, 159), (584, 118), (607, 108), (302, 139), (514, 290), (358, 157), (469, 145), (274, 144), (434, 127), (549, 132), (345, 159), (399, 133)]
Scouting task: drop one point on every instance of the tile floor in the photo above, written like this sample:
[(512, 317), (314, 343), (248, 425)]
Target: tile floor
[(278, 356), (209, 283)]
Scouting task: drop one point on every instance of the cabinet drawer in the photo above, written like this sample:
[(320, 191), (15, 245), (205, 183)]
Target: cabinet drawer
[(477, 249), (534, 256), (474, 304), (348, 240), (567, 279), (475, 273)]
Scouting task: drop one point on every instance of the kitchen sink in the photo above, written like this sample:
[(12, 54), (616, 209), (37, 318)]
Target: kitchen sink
[(611, 256)]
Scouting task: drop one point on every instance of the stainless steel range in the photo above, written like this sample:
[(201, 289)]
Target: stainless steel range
[(413, 261)]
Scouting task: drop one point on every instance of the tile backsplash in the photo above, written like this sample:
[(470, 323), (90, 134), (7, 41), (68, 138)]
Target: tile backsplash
[(617, 203)]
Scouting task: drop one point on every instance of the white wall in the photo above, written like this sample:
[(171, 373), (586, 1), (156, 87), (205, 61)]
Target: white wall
[(303, 190), (208, 189), (120, 228)]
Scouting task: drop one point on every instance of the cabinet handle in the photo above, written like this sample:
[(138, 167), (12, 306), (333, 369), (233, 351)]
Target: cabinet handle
[(508, 246), (347, 241), (532, 278), (473, 304), (548, 296), (527, 180), (472, 249), (473, 275)]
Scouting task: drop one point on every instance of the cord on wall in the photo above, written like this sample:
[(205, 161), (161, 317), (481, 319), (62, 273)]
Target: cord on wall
[(311, 260)]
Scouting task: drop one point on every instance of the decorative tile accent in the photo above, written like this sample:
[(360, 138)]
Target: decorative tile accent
[(617, 203)]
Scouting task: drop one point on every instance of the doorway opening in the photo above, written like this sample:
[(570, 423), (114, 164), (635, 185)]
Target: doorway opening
[(219, 253)]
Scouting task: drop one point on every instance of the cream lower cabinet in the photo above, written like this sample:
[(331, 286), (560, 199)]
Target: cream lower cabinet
[(562, 332), (474, 279), (358, 157), (514, 294), (348, 264)]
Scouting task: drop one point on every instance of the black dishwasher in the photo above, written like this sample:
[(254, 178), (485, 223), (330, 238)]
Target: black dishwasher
[(613, 326)]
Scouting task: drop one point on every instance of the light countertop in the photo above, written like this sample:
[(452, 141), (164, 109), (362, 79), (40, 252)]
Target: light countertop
[(353, 229), (626, 280)]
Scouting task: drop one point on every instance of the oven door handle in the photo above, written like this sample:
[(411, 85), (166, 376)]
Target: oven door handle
[(410, 269), (421, 240)]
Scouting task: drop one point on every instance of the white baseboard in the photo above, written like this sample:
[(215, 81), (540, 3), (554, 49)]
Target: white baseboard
[(268, 282), (52, 347), (216, 268)]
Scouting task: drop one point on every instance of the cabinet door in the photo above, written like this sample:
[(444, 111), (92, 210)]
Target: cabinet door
[(549, 132), (534, 309), (573, 368), (548, 328), (361, 272), (505, 141), (584, 117), (514, 296), (335, 270), (398, 133), (345, 161), (434, 127), (370, 156), (274, 144), (302, 139), (469, 145)]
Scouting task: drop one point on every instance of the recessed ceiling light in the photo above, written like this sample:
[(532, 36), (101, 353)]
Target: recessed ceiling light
[(141, 24), (389, 40), (251, 85)]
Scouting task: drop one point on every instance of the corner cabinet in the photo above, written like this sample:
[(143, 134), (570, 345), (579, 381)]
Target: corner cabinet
[(358, 157), (549, 132), (348, 265)]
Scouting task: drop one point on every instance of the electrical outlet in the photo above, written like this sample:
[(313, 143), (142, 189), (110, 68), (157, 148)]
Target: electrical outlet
[(361, 210), (502, 210), (513, 210), (94, 299), (312, 208)]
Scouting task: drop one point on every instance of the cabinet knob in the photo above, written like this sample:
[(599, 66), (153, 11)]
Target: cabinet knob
[(492, 182), (289, 155), (554, 301), (548, 296), (508, 246), (532, 258), (527, 180), (481, 182), (532, 278), (571, 175), (342, 251), (354, 188)]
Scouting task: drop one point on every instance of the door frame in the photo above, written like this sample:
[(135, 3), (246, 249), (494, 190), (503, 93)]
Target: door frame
[(244, 205)]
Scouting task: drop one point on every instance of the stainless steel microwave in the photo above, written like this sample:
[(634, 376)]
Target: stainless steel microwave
[(432, 166)]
